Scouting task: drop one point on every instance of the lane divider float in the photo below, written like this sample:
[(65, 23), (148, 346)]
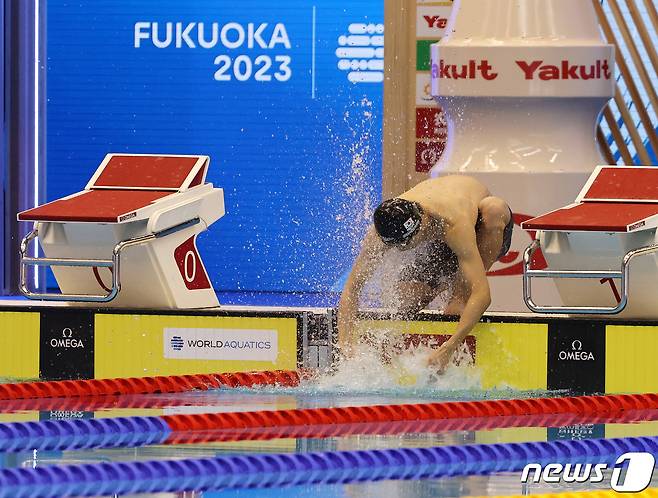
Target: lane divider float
[(281, 470), (145, 385)]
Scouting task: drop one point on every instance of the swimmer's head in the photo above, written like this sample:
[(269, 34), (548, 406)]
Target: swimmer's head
[(397, 221)]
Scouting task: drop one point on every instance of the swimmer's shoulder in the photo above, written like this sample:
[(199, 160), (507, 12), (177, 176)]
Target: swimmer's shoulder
[(449, 186), (453, 198), (460, 183)]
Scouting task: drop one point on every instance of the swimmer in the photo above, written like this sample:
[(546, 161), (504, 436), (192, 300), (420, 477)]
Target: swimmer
[(458, 230)]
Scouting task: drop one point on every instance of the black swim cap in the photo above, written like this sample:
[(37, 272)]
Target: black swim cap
[(397, 220)]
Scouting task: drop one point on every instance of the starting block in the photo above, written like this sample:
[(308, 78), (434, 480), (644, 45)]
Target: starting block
[(590, 244), (129, 238)]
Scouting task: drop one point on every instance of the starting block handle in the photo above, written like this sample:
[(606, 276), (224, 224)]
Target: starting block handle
[(113, 264), (622, 275)]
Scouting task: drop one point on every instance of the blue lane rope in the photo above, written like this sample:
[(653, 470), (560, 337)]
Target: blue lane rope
[(279, 470), (83, 434)]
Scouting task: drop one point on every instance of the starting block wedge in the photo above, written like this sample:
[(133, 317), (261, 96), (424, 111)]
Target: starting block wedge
[(129, 238), (589, 246)]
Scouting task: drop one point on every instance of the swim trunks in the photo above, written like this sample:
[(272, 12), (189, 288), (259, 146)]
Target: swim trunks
[(436, 264)]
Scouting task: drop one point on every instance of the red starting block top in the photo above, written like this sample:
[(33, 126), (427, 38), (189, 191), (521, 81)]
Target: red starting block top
[(614, 199), (149, 172), (620, 184), (101, 206), (121, 185), (596, 217)]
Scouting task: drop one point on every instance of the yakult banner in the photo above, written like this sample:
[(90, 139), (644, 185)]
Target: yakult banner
[(285, 97), (532, 71)]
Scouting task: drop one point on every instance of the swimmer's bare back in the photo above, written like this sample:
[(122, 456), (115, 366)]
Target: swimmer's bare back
[(450, 198), (456, 202)]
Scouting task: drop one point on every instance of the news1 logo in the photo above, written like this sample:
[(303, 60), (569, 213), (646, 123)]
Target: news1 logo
[(631, 473)]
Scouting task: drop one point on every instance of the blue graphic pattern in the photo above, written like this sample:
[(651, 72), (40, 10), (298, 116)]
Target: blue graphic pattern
[(177, 343)]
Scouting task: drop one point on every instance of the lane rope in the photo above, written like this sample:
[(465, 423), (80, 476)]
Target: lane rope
[(145, 385), (577, 405), (281, 470), (405, 427), (74, 434)]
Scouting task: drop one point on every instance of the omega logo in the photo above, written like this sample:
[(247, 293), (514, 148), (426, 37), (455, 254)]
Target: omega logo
[(576, 352), (67, 341)]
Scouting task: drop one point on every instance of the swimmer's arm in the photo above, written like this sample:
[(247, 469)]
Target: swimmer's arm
[(489, 241), (474, 277), (372, 250)]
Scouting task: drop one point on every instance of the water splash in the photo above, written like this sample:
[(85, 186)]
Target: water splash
[(354, 215), (368, 371)]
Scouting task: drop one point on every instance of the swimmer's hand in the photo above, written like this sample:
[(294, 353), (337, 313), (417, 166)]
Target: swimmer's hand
[(441, 358)]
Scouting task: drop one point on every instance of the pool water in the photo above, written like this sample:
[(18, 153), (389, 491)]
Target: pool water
[(329, 393)]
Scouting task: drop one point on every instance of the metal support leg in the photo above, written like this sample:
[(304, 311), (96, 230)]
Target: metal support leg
[(622, 275), (114, 264)]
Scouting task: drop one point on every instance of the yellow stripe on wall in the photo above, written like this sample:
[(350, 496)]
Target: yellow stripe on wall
[(512, 355), (511, 435), (630, 359), (19, 345), (133, 345), (643, 428), (30, 416)]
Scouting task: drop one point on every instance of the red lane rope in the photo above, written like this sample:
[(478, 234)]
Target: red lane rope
[(582, 405), (407, 427), (144, 385)]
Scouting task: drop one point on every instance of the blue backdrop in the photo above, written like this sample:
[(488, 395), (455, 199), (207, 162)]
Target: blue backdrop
[(295, 145)]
